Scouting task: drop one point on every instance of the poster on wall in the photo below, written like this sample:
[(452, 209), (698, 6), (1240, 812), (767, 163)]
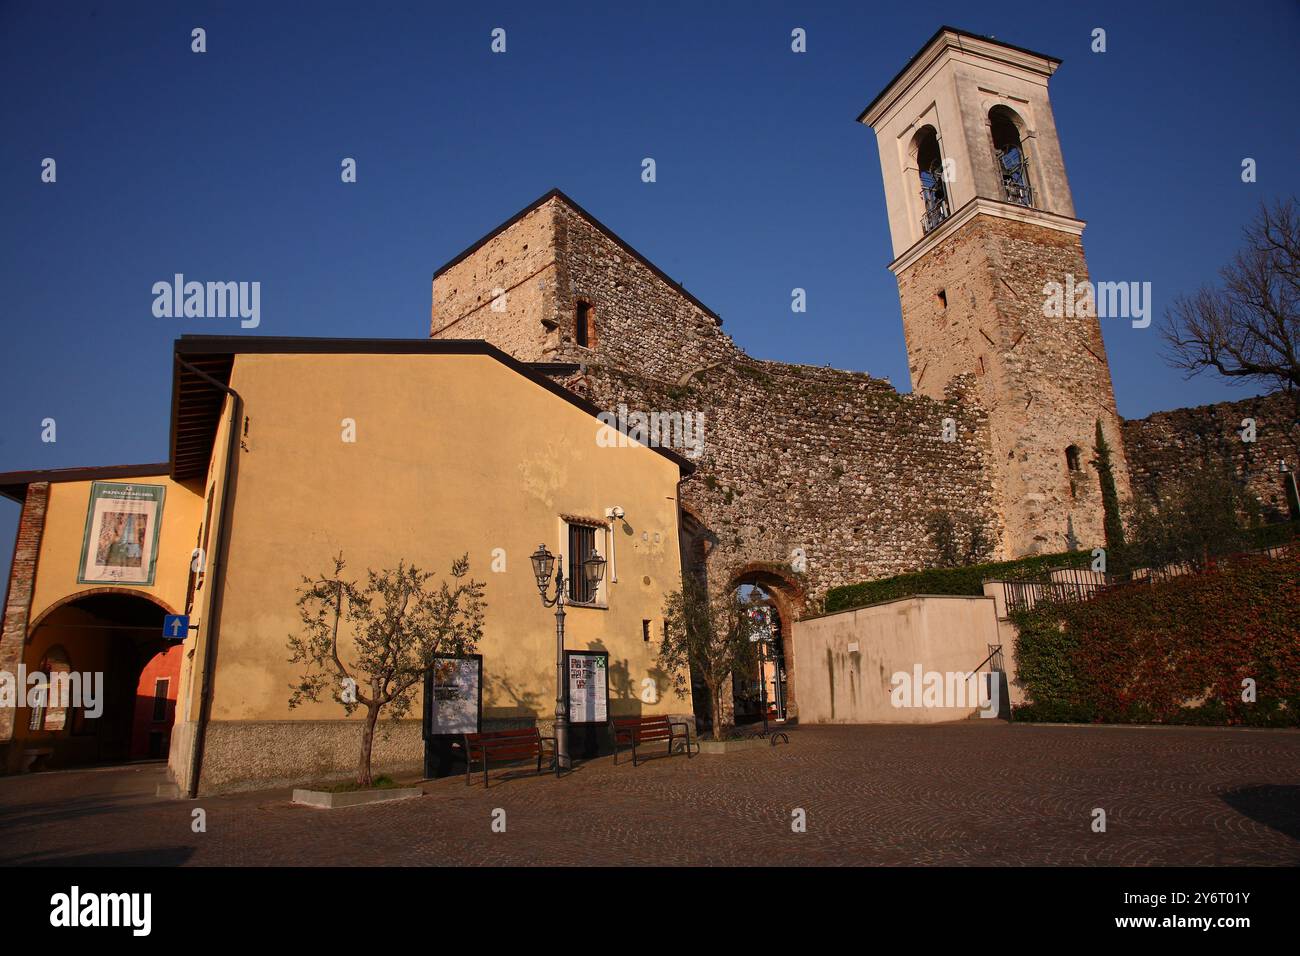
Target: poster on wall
[(453, 696), (588, 686), (121, 542)]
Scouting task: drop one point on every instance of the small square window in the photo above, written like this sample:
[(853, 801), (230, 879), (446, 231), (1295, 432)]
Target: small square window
[(1072, 459), (582, 325)]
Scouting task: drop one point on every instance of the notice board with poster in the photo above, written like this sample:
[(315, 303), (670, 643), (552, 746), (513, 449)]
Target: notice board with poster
[(586, 694), (121, 539), (453, 696), (587, 686), (453, 705)]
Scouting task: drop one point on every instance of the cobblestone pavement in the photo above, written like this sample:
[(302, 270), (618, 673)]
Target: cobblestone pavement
[(973, 793)]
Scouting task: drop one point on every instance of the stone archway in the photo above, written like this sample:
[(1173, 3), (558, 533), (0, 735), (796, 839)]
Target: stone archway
[(92, 592), (787, 598), (120, 700)]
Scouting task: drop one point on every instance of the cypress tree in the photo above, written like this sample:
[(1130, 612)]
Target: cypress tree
[(1109, 497)]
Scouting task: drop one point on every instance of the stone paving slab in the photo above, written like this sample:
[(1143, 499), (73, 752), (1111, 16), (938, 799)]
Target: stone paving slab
[(975, 793)]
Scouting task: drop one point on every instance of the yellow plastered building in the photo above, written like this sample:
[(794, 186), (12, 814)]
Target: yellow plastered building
[(285, 452)]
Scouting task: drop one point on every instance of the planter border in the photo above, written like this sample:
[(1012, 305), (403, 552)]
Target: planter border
[(731, 746), (328, 800)]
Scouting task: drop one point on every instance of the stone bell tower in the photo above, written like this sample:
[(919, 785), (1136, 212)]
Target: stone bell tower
[(982, 221)]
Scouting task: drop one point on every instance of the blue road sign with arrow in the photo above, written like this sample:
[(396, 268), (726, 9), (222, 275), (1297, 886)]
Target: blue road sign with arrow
[(176, 627)]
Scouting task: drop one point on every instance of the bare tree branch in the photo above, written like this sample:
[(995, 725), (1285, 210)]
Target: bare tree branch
[(1248, 327)]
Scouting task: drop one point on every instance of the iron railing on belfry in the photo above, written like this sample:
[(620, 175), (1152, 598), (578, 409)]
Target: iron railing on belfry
[(936, 208), (1014, 167)]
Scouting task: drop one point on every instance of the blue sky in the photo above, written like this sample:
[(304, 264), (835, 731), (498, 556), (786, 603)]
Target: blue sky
[(225, 166)]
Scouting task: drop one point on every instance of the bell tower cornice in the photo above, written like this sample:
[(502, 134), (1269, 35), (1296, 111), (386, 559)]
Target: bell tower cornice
[(986, 207), (950, 43)]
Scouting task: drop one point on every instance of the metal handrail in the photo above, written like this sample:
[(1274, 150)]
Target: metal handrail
[(1078, 584), (997, 649)]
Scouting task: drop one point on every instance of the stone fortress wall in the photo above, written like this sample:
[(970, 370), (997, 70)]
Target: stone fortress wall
[(1165, 442), (832, 471), (810, 477), (816, 476)]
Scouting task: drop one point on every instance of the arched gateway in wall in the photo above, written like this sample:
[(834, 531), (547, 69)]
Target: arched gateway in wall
[(772, 681), (105, 646)]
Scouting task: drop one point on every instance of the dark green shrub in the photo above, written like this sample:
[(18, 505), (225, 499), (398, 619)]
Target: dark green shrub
[(1178, 651), (962, 580)]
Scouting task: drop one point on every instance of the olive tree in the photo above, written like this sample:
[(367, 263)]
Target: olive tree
[(709, 634), (396, 624)]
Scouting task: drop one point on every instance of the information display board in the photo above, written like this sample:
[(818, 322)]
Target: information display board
[(453, 696), (587, 686), (453, 705)]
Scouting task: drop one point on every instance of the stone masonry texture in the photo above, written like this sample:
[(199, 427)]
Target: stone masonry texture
[(809, 478), (18, 600), (803, 467), (974, 304), (1162, 444)]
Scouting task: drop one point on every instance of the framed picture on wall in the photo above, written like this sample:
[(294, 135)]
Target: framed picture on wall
[(121, 540)]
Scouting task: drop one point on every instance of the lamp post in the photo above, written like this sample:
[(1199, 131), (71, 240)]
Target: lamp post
[(1293, 493), (593, 569)]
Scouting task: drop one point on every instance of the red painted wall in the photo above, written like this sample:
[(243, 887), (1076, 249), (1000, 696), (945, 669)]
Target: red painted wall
[(165, 665)]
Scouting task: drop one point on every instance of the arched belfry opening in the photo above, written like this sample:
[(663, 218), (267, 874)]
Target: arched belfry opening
[(115, 700), (1010, 156), (935, 202)]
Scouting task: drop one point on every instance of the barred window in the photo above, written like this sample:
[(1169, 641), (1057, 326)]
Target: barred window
[(160, 688), (582, 542)]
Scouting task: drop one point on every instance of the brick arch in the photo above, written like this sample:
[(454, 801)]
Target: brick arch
[(93, 592), (784, 584), (691, 511), (789, 596)]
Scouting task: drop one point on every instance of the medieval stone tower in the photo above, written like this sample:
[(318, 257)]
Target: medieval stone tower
[(982, 220)]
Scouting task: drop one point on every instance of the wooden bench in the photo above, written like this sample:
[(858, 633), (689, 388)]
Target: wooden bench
[(504, 745), (636, 731)]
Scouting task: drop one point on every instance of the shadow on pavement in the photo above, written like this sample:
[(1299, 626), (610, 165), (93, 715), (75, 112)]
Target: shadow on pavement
[(1274, 805), (159, 856)]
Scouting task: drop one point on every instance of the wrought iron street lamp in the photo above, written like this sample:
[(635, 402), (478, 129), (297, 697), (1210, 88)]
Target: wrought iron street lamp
[(1292, 492), (593, 569)]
